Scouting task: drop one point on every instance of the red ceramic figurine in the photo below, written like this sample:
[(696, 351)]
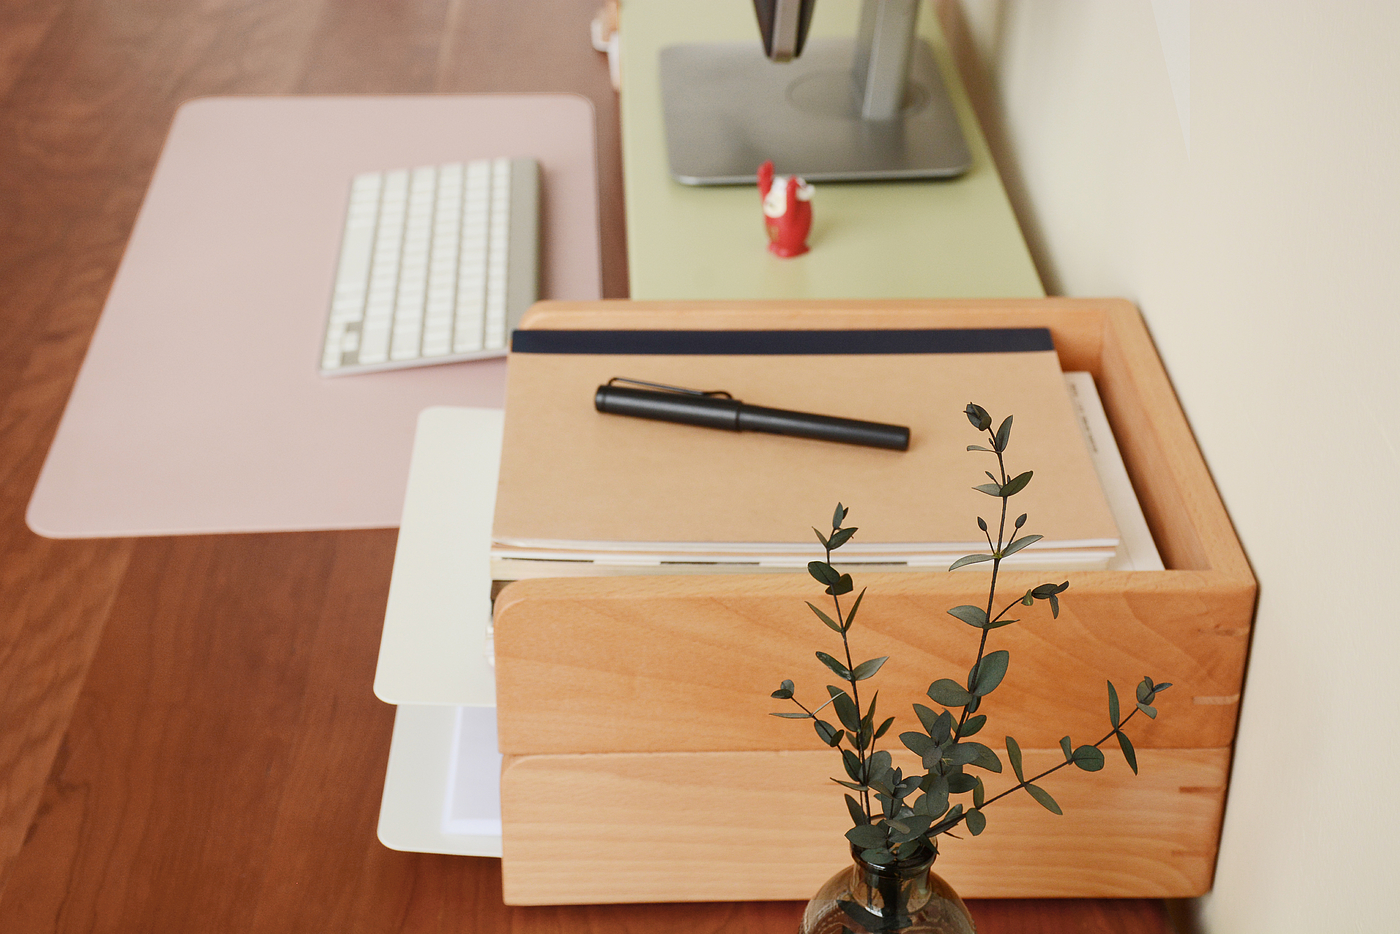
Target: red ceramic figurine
[(787, 211)]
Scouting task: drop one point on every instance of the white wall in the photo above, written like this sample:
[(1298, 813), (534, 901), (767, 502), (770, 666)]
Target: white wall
[(1265, 255)]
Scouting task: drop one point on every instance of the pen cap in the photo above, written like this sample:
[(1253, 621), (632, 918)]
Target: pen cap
[(687, 409)]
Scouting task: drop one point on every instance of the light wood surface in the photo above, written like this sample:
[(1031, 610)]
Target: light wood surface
[(710, 824), (188, 739)]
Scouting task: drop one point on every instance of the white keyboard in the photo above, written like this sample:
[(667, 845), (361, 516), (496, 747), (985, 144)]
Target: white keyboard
[(437, 264)]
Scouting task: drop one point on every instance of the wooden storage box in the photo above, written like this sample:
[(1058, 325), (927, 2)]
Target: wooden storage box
[(641, 764)]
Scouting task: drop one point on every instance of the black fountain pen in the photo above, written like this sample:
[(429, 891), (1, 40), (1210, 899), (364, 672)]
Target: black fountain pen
[(721, 410)]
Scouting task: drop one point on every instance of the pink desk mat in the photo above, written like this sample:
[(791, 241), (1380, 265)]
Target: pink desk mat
[(199, 408)]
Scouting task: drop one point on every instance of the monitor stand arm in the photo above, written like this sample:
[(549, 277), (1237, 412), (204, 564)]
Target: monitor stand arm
[(884, 42), (872, 108)]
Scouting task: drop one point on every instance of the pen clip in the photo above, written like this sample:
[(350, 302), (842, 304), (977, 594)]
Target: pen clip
[(664, 387)]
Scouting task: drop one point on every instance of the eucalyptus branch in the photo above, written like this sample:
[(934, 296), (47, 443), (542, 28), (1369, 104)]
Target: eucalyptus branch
[(1055, 768), (855, 691), (903, 824), (998, 446)]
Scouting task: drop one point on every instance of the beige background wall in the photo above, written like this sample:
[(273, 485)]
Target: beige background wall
[(1234, 168)]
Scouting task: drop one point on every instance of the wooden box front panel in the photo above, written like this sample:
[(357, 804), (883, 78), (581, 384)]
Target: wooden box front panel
[(664, 827)]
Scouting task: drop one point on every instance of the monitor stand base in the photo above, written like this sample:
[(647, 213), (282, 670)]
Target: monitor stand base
[(728, 109)]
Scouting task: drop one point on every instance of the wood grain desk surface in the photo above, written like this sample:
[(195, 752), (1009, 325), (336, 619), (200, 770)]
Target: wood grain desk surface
[(188, 737)]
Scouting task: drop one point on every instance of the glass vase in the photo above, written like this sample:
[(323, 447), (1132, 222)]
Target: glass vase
[(903, 897)]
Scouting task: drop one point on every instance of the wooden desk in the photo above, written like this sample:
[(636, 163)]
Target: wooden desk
[(188, 739)]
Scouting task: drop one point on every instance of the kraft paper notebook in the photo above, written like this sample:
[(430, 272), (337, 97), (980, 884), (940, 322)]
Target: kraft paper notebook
[(585, 492)]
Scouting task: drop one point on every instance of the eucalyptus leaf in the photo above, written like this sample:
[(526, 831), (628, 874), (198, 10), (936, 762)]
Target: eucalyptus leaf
[(968, 559), (851, 613), (960, 783), (978, 447), (935, 805), (880, 856), (823, 572), (1016, 484), (998, 623), (884, 727), (784, 691), (976, 823), (943, 729), (962, 753), (1150, 711), (972, 615), (1013, 752), (979, 794), (791, 714), (908, 786), (990, 670), (866, 835), (917, 743), (1003, 435), (973, 725), (985, 758), (982, 524), (840, 670), (1068, 748), (831, 623), (841, 537), (1020, 520), (978, 416), (846, 711), (918, 824), (821, 538), (1043, 796), (858, 815), (949, 693), (1020, 543), (1088, 758), (838, 517), (844, 584), (991, 489), (1129, 753), (1113, 705), (852, 763), (867, 669), (828, 733)]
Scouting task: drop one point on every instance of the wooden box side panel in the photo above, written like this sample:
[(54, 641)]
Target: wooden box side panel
[(769, 826), (1173, 484), (693, 660)]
